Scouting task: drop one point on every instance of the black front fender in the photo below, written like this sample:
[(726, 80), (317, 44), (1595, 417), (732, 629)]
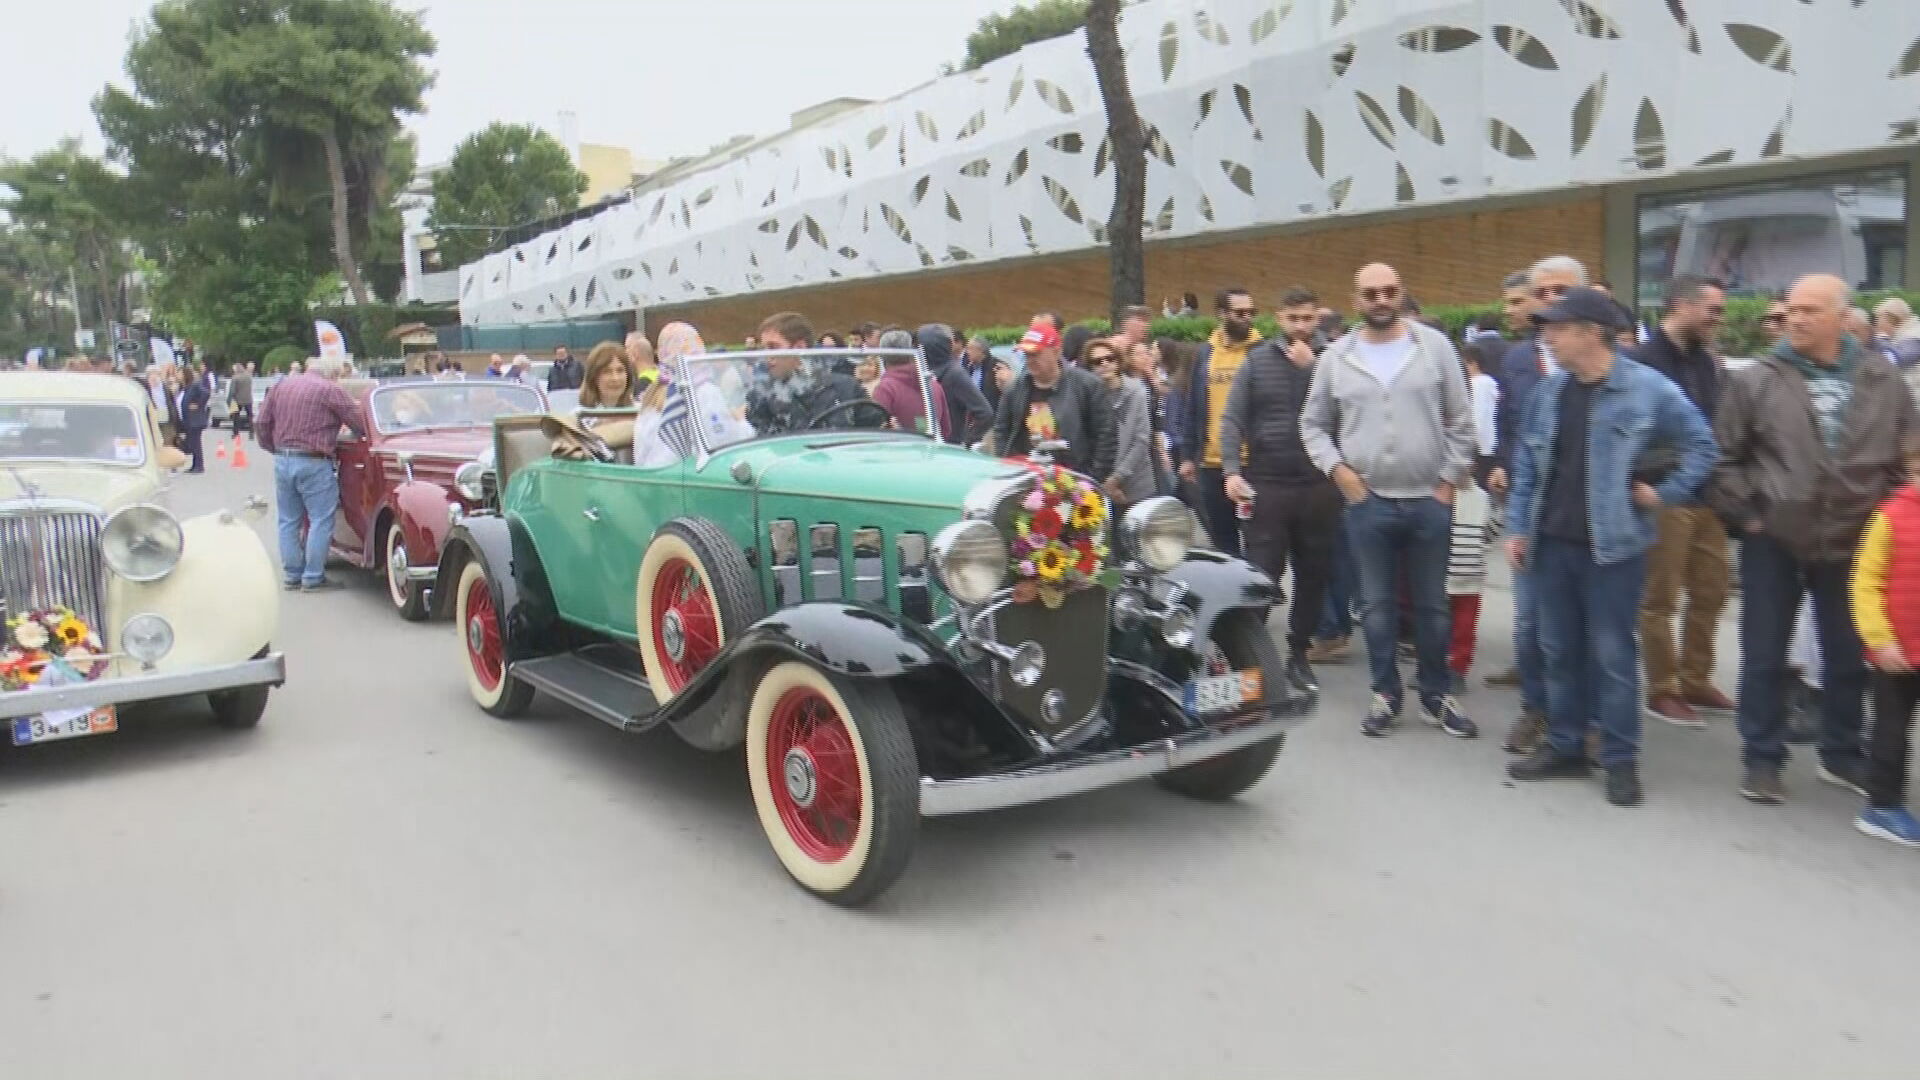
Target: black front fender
[(848, 639), (1217, 584), (520, 589)]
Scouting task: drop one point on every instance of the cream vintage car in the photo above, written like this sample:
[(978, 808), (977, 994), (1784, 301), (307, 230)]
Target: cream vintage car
[(106, 597)]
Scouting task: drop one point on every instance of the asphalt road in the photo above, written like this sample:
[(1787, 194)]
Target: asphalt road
[(383, 881)]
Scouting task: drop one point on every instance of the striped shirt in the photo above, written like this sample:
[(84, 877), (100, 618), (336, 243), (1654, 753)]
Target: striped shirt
[(1467, 550)]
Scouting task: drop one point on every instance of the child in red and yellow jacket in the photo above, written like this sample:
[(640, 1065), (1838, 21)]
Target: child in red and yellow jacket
[(1886, 610)]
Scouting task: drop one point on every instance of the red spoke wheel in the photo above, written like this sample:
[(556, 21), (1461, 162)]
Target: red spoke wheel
[(484, 646), (694, 594), (835, 780)]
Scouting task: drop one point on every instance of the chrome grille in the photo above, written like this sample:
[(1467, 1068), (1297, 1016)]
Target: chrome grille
[(52, 559)]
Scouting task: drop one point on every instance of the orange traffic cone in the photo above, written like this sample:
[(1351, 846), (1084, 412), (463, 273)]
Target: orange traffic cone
[(239, 453), (220, 451)]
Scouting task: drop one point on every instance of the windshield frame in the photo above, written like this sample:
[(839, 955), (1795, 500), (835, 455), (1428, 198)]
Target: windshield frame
[(683, 367), (139, 428), (373, 414)]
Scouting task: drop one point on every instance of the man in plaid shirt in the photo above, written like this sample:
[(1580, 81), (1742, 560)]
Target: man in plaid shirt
[(299, 424)]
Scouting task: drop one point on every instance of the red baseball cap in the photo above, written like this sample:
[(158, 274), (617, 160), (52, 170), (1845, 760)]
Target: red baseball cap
[(1040, 335)]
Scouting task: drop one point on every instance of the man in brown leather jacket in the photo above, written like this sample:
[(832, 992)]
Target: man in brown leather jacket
[(1810, 439)]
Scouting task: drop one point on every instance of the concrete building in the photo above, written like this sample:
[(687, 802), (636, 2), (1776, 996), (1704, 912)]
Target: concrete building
[(1290, 142)]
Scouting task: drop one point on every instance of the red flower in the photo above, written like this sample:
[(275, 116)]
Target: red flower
[(1046, 522)]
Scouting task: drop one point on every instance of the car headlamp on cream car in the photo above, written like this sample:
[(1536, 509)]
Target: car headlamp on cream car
[(142, 542)]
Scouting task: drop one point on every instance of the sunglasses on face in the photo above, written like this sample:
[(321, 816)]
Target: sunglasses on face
[(1546, 291), (1102, 358), (1383, 294), (1774, 316)]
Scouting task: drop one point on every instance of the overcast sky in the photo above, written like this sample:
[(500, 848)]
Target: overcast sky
[(660, 77)]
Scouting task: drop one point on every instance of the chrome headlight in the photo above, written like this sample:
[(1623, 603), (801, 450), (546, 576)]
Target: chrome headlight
[(1159, 532), (468, 481), (147, 638), (970, 561), (142, 542)]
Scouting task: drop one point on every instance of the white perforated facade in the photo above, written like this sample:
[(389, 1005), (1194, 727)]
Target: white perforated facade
[(1262, 112)]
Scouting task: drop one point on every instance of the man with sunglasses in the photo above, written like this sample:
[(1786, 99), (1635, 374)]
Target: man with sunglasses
[(1691, 552), (1198, 453), (1387, 418), (1526, 365)]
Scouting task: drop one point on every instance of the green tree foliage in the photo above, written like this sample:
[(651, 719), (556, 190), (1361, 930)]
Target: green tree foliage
[(33, 273), (71, 201), (1004, 35), (502, 176)]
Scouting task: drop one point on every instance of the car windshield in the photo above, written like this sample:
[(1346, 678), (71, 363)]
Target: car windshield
[(412, 406), (741, 396), (70, 431)]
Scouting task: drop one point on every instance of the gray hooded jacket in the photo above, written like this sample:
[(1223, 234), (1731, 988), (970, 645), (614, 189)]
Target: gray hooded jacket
[(967, 416)]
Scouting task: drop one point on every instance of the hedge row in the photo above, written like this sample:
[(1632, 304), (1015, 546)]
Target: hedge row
[(1741, 336)]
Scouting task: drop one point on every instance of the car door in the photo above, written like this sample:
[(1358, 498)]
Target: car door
[(359, 491), (592, 524)]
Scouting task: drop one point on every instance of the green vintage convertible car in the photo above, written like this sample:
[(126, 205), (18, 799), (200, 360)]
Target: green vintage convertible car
[(893, 627)]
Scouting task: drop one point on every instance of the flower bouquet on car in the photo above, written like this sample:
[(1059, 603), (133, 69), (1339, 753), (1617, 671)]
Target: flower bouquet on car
[(1060, 539), (37, 640)]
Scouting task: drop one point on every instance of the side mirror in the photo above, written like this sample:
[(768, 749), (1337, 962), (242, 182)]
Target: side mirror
[(171, 459)]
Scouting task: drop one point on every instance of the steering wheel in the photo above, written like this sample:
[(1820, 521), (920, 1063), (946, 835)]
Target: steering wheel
[(817, 419)]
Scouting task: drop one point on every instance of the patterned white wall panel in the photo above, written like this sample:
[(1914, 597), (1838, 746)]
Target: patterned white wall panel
[(1261, 112)]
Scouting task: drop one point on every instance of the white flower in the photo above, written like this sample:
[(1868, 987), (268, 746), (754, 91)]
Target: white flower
[(31, 635)]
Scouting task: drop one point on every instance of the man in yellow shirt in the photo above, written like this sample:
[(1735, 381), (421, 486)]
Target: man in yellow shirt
[(1198, 449)]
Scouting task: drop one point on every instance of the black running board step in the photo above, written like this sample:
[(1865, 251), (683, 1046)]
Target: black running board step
[(602, 692)]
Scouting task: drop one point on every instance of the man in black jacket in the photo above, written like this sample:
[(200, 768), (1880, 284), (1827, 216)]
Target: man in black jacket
[(796, 392), (1296, 513), (566, 373), (967, 414), (1691, 554), (1051, 401)]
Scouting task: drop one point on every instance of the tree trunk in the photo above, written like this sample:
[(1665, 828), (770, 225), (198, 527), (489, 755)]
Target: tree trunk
[(1126, 246), (342, 233)]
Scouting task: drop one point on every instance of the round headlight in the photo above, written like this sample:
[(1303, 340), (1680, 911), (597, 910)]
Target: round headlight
[(142, 542), (971, 560), (1160, 532), (1028, 664), (147, 638), (467, 480)]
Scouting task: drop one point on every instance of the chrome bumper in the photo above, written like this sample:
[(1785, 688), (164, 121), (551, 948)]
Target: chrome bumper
[(940, 798), (270, 670)]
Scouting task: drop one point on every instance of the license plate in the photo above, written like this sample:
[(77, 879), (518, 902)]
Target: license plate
[(48, 727), (1222, 693)]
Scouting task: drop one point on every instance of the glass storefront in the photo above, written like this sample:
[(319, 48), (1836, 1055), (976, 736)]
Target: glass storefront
[(1759, 237)]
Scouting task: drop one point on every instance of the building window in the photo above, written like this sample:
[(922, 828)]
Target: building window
[(1759, 237)]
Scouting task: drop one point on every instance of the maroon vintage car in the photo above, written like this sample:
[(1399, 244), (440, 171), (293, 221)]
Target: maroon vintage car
[(397, 491)]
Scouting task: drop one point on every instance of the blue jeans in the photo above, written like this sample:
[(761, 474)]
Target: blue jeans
[(1771, 581), (307, 490), (1390, 537), (1589, 617), (1336, 614), (1527, 658)]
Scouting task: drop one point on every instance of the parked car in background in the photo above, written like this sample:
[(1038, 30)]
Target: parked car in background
[(106, 597), (398, 498), (892, 628)]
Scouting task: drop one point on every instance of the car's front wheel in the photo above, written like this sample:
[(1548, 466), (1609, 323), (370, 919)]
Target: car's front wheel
[(835, 780), (1244, 643), (409, 596), (242, 707), (483, 646)]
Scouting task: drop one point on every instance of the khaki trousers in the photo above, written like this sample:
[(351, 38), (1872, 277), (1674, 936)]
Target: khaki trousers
[(1691, 556)]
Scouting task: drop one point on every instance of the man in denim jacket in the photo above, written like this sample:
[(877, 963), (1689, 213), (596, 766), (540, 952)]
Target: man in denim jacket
[(1582, 515)]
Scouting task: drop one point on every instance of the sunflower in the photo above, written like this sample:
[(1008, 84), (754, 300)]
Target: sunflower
[(70, 631), (1088, 513), (1051, 563)]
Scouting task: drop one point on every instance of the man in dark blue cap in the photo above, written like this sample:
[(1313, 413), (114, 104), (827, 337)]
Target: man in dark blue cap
[(1603, 445)]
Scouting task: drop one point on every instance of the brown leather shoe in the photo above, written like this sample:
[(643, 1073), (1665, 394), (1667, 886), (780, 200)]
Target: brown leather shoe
[(1527, 733), (1709, 697), (1509, 677), (1329, 650), (1674, 711)]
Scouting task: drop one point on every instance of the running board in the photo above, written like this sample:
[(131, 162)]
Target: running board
[(602, 691)]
